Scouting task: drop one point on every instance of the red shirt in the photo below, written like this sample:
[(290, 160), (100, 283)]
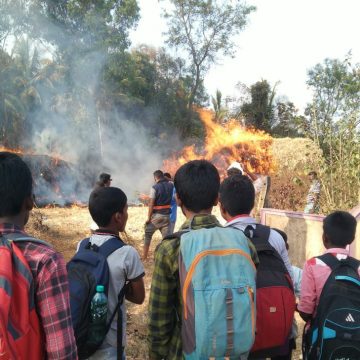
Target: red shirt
[(52, 296)]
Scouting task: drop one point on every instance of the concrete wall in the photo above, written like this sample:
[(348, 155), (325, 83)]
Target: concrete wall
[(305, 232)]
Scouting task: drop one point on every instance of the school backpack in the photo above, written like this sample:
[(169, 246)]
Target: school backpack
[(275, 298), (87, 269), (217, 278), (334, 332), (20, 330)]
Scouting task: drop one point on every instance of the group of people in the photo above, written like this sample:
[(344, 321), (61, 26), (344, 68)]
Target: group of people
[(194, 267)]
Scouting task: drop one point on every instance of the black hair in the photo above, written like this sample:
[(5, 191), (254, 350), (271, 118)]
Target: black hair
[(197, 185), (233, 171), (15, 184), (158, 174), (104, 202), (237, 195), (340, 227), (104, 178), (166, 174), (312, 173), (284, 236)]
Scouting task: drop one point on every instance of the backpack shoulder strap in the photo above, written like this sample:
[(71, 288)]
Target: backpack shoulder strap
[(259, 236), (84, 244), (330, 260), (353, 263), (17, 237), (110, 246)]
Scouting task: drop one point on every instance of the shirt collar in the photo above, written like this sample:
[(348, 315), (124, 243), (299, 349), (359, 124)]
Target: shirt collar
[(337, 251), (7, 228), (201, 221), (241, 219)]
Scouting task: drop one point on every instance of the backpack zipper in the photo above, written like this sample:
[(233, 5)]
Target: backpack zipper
[(199, 257)]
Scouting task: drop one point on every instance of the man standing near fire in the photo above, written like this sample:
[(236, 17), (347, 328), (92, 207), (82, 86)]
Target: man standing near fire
[(313, 197), (159, 209)]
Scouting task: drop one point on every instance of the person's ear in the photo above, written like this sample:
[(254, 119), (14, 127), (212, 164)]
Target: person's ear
[(325, 240), (178, 201), (29, 203)]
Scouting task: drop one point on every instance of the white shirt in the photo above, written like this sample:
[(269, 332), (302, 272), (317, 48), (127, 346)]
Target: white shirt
[(124, 265), (275, 239)]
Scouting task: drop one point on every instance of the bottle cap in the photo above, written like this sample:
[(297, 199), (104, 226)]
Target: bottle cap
[(100, 288)]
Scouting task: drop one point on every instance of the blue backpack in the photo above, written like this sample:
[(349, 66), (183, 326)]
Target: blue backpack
[(217, 278), (88, 268)]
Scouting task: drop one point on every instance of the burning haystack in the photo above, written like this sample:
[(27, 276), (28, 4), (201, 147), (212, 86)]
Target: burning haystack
[(225, 143), (56, 181)]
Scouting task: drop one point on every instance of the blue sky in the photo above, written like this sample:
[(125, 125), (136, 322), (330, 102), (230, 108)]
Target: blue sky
[(283, 39)]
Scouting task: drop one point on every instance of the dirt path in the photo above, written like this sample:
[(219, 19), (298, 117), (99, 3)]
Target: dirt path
[(64, 228)]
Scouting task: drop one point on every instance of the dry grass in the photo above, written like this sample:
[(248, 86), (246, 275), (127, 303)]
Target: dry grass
[(64, 227)]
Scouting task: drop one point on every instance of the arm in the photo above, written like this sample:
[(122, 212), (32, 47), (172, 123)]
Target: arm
[(307, 302), (278, 243), (53, 306), (150, 211), (135, 291), (162, 312)]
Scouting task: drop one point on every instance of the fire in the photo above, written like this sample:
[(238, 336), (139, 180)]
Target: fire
[(227, 143), (14, 151)]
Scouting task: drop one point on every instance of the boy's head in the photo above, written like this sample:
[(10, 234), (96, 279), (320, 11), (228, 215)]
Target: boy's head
[(339, 229), (197, 186), (15, 188), (312, 175), (167, 176), (237, 196), (108, 208), (158, 175), (105, 179)]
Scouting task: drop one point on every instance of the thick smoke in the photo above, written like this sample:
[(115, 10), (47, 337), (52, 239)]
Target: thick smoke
[(91, 142)]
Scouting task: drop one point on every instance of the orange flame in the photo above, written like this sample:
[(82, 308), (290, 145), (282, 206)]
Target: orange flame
[(227, 143)]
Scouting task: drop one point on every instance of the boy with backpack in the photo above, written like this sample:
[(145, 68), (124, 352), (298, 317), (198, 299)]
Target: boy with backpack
[(275, 293), (203, 287), (34, 295), (117, 267), (330, 294)]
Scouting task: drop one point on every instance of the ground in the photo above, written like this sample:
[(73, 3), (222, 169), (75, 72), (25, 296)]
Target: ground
[(65, 227)]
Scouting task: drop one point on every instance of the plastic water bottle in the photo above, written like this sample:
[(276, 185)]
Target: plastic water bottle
[(98, 312)]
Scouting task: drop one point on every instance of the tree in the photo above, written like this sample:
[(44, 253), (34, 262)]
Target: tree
[(219, 109), (259, 112), (286, 120), (204, 30), (333, 121)]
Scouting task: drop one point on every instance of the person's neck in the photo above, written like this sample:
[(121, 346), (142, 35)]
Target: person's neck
[(229, 217), (14, 220), (109, 229), (190, 214)]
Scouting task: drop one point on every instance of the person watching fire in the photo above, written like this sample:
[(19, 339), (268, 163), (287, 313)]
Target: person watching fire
[(161, 195), (236, 168), (104, 180)]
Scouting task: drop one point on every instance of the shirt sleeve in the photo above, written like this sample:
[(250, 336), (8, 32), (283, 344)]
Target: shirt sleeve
[(162, 314), (133, 265), (258, 185), (278, 243), (53, 307), (308, 291), (152, 193)]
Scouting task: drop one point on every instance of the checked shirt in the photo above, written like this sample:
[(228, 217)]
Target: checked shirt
[(165, 300), (52, 296)]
